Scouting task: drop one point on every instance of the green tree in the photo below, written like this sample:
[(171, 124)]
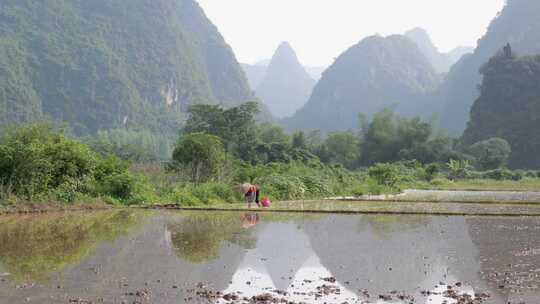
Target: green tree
[(385, 174), (388, 135), (270, 133), (235, 126), (299, 140), (490, 154), (509, 107), (201, 154), (459, 169), (343, 148)]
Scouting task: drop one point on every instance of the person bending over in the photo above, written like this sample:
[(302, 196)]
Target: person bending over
[(251, 194)]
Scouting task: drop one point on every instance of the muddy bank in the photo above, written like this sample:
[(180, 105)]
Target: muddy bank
[(378, 207), (453, 196), (37, 207), (437, 202)]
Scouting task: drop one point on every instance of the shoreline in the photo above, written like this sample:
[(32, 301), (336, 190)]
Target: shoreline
[(409, 202), (373, 207), (41, 208)]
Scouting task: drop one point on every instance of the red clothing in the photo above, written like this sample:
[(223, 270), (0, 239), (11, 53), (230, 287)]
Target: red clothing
[(252, 190)]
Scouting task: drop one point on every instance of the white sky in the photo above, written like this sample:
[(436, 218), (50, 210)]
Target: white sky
[(320, 30)]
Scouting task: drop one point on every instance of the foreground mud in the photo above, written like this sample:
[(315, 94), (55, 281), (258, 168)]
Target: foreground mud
[(325, 290), (167, 257)]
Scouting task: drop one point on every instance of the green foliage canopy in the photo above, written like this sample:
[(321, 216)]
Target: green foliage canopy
[(234, 126), (491, 153), (508, 108), (202, 154)]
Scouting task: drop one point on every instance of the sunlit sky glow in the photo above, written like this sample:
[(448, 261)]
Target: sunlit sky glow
[(320, 30)]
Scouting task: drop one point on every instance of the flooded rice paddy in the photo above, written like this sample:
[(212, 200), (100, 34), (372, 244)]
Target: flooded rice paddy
[(228, 257)]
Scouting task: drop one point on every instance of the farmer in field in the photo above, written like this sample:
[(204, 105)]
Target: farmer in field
[(251, 194)]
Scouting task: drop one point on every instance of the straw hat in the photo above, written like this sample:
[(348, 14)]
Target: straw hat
[(245, 187)]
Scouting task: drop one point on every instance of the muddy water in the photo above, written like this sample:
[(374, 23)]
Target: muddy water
[(175, 257)]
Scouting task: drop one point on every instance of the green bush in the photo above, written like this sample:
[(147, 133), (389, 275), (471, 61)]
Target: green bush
[(432, 171), (201, 154), (120, 186), (490, 154), (504, 174), (458, 169), (282, 187), (37, 162), (224, 193), (384, 174), (184, 198)]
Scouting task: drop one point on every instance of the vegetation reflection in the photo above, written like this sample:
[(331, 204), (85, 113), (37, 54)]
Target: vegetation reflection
[(35, 247), (199, 236)]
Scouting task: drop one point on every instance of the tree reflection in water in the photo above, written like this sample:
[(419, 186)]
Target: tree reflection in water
[(199, 236), (34, 247)]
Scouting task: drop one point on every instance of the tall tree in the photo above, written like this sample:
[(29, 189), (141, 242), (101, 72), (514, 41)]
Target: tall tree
[(235, 126)]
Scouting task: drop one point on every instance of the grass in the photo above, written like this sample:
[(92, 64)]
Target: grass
[(526, 184), (358, 207)]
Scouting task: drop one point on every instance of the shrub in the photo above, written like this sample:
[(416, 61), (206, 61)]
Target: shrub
[(490, 154), (120, 186), (35, 160), (504, 174), (224, 193), (202, 154), (282, 187), (384, 174), (458, 169), (432, 171), (184, 198)]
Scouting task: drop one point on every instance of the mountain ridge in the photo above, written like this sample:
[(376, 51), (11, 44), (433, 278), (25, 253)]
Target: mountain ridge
[(442, 62), (376, 73)]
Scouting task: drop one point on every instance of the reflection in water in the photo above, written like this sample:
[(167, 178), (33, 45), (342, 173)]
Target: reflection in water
[(33, 247), (368, 256), (199, 237), (250, 220), (411, 255)]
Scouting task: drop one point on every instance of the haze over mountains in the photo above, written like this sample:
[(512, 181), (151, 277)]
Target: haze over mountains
[(377, 73), (109, 64), (440, 61), (282, 83), (517, 24)]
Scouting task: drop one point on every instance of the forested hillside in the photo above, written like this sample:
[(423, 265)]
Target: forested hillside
[(372, 75), (517, 24), (105, 64), (509, 107)]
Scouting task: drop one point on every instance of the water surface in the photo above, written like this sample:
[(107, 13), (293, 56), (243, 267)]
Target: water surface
[(168, 257)]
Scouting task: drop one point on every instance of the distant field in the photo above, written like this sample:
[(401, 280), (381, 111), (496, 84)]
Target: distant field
[(527, 184)]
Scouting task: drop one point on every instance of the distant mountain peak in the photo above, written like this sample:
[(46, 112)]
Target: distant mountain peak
[(440, 61), (287, 85), (422, 38), (285, 54)]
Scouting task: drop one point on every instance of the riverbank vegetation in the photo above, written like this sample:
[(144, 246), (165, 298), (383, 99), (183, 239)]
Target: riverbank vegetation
[(218, 149)]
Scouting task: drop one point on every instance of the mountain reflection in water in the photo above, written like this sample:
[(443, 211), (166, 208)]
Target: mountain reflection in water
[(160, 257)]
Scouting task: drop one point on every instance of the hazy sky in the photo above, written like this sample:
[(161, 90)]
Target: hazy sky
[(320, 30)]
